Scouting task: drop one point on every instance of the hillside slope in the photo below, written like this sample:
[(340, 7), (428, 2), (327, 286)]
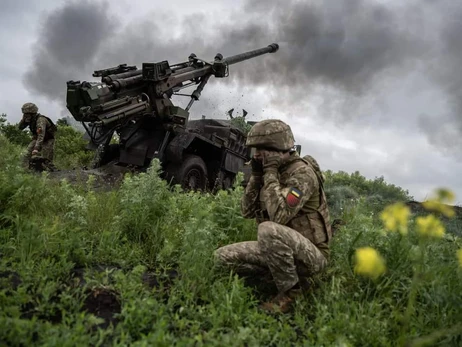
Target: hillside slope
[(134, 266)]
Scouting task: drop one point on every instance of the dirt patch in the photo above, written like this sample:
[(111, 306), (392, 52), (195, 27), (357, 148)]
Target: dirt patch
[(53, 314), (165, 279), (102, 180), (103, 303)]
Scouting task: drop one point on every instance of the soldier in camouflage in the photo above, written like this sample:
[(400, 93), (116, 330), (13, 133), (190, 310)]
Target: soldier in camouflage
[(286, 196), (43, 136)]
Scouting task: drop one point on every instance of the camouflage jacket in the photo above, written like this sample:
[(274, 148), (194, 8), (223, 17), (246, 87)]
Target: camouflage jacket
[(293, 197), (42, 128)]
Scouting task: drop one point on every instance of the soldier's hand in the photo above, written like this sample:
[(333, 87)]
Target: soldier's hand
[(271, 161), (257, 167)]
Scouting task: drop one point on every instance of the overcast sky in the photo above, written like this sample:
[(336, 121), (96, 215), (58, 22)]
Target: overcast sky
[(367, 85)]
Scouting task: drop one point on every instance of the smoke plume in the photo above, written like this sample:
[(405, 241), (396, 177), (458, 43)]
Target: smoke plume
[(70, 38), (350, 46)]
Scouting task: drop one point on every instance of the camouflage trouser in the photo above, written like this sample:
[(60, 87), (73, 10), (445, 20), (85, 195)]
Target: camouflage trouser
[(283, 251), (47, 153)]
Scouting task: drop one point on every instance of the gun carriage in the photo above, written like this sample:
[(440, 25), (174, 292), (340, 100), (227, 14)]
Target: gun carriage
[(136, 105)]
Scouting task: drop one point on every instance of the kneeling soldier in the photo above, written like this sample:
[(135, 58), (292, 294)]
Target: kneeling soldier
[(286, 196)]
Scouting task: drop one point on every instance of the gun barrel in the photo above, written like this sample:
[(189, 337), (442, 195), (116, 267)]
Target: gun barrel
[(123, 113), (251, 54), (108, 79), (107, 101), (123, 83)]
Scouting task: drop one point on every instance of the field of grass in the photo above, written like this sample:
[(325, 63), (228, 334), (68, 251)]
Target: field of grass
[(134, 266)]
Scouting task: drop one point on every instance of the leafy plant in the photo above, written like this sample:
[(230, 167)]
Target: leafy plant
[(135, 266)]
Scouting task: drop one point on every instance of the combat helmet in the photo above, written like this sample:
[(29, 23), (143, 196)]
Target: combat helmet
[(29, 107), (271, 133)]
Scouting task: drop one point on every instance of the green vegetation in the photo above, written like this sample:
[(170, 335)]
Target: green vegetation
[(343, 188), (70, 149), (134, 266), (241, 123), (12, 132), (70, 146)]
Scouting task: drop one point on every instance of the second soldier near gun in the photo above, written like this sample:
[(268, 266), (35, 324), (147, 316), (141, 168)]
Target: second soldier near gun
[(286, 197), (43, 136)]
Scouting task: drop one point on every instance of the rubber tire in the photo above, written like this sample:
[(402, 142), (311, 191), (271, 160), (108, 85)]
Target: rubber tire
[(191, 165)]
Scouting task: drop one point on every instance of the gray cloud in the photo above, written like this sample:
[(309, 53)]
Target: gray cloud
[(408, 162), (342, 43), (445, 67), (346, 43), (345, 49), (69, 40)]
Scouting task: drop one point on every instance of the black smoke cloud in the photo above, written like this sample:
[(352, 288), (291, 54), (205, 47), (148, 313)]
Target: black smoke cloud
[(343, 43), (70, 38), (348, 45)]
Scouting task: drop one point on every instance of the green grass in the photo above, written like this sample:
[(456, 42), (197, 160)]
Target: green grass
[(135, 267)]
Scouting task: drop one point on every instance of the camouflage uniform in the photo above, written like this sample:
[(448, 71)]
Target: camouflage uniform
[(290, 207), (43, 136), (314, 164)]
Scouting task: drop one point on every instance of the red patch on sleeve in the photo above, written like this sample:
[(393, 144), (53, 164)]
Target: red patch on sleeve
[(293, 198), (39, 130)]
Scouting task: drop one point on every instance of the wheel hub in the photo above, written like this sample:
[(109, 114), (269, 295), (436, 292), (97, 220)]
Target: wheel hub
[(193, 179)]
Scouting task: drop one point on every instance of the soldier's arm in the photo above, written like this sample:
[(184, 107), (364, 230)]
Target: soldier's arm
[(249, 201), (22, 125), (41, 130), (284, 202)]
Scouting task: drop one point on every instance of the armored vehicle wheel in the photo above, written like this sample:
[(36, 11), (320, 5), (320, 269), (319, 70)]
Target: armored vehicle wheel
[(191, 174)]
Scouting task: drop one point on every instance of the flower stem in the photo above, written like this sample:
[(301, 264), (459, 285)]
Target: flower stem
[(413, 292)]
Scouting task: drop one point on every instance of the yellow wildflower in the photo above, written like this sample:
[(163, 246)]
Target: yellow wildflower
[(430, 226), (436, 206), (459, 256), (445, 196), (395, 217), (439, 202), (369, 263)]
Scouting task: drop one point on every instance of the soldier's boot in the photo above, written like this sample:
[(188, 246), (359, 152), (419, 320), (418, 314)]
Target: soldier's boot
[(49, 166), (283, 302), (36, 163), (27, 162)]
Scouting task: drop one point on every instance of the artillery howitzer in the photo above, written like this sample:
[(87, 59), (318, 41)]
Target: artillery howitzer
[(135, 104)]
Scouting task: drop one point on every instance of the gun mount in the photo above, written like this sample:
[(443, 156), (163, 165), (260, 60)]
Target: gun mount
[(136, 105)]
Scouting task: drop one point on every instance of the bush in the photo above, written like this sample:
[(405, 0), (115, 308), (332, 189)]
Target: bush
[(70, 149), (366, 187), (12, 132)]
